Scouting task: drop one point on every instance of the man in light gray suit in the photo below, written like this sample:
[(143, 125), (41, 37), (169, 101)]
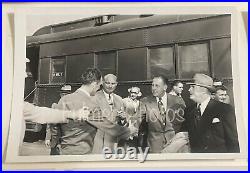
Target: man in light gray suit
[(110, 104)]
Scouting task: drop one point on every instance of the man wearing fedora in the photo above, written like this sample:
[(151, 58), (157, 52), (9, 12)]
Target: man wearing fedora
[(211, 125)]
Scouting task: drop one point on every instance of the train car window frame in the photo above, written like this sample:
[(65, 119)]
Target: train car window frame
[(76, 77), (53, 59), (96, 54), (174, 60), (44, 79), (137, 66), (180, 71), (216, 53)]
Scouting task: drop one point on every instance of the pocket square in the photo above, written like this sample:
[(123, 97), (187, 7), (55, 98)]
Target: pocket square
[(215, 120)]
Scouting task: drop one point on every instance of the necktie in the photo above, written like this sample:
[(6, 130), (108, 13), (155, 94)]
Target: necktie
[(110, 102), (162, 111), (198, 115), (161, 107)]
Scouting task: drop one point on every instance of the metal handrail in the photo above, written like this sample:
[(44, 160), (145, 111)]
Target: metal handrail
[(31, 91)]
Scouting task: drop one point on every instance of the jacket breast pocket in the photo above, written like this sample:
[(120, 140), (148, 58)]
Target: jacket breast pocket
[(217, 129)]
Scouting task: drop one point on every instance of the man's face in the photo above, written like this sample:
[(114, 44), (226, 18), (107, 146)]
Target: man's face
[(95, 87), (109, 84), (221, 95), (178, 89), (196, 92), (133, 94), (158, 87)]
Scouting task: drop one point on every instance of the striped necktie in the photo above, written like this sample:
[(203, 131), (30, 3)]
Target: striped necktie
[(110, 102), (161, 107)]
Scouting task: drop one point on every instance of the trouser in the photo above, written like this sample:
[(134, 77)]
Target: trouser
[(55, 151)]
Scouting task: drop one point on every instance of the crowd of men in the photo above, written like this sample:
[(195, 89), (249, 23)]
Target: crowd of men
[(94, 117), (160, 121)]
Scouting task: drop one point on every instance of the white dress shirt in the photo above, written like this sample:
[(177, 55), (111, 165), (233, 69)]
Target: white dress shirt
[(204, 105), (107, 96), (110, 99), (173, 93)]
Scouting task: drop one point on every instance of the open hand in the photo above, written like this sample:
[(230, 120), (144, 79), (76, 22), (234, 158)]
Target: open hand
[(47, 143)]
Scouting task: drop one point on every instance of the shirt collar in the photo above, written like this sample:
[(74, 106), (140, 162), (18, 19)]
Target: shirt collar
[(204, 104), (107, 95), (84, 91), (163, 98), (173, 93)]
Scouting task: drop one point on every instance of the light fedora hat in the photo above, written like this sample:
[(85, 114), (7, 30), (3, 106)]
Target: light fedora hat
[(135, 90), (218, 85), (203, 80), (66, 88)]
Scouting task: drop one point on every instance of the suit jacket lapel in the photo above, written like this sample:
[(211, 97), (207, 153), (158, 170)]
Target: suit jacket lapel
[(155, 109), (116, 102), (206, 118), (169, 101), (104, 100)]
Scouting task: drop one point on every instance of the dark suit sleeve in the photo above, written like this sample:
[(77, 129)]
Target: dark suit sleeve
[(143, 125), (55, 134), (230, 130), (184, 127)]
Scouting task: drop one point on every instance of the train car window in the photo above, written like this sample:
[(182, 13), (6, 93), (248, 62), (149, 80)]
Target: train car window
[(161, 62), (58, 70), (193, 59), (222, 65), (132, 64), (106, 62), (76, 65), (44, 71)]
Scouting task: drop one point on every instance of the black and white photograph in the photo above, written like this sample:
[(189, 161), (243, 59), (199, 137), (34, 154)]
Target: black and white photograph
[(118, 85)]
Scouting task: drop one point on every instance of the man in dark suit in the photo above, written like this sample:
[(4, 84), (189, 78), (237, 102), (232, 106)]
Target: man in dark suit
[(161, 111), (211, 124), (78, 137)]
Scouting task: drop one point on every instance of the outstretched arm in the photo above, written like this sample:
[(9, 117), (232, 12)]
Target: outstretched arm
[(44, 115)]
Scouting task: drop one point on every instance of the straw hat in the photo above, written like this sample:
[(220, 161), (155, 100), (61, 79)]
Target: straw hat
[(219, 86), (135, 90), (66, 89)]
